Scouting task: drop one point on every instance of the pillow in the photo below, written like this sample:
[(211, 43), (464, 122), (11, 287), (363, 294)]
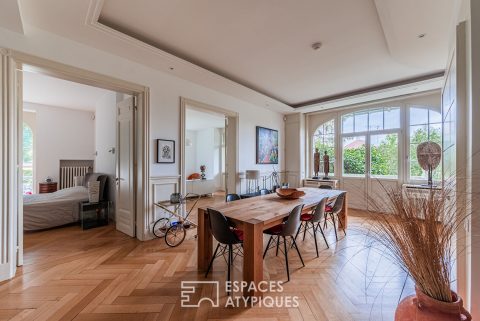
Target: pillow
[(78, 181), (97, 177)]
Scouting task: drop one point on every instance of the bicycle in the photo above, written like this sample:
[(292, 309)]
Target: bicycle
[(174, 232)]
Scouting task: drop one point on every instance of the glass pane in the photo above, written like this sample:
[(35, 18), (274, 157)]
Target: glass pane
[(435, 117), (416, 172), (361, 122), (347, 123), (418, 134), (329, 127), (435, 133), (375, 119), (324, 141), (384, 155), (354, 152), (392, 118), (418, 116)]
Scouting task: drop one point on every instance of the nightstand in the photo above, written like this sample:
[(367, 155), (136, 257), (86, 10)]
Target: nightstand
[(94, 214), (47, 187)]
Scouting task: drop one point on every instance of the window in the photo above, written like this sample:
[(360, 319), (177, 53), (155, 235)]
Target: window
[(371, 120), (425, 125), (28, 179), (380, 133), (324, 140)]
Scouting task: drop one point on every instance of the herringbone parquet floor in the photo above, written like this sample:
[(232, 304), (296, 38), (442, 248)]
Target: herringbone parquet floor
[(101, 275)]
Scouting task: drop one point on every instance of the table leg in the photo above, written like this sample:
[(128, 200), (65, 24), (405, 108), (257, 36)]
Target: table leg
[(343, 215), (205, 241), (252, 255)]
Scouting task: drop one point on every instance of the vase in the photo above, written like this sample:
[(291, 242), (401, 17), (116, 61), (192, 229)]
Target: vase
[(421, 307)]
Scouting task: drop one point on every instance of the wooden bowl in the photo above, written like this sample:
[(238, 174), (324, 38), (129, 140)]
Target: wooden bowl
[(289, 193)]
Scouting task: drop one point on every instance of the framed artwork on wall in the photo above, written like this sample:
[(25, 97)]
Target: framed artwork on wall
[(267, 146), (165, 151)]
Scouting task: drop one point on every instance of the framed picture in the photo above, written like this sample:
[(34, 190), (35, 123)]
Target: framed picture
[(267, 146), (165, 151)]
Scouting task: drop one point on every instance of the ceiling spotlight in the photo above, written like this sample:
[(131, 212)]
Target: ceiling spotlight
[(316, 45), (171, 68), (422, 35)]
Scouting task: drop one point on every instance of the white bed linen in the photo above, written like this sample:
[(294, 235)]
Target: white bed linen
[(41, 211)]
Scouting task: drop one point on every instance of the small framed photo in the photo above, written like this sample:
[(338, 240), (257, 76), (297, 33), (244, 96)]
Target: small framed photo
[(165, 151)]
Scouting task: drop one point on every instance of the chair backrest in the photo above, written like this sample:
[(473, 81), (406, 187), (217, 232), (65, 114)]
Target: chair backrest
[(325, 187), (264, 191), (293, 222), (220, 228), (319, 212), (232, 197), (337, 207)]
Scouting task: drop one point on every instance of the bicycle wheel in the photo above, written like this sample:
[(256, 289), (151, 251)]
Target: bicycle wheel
[(160, 227), (175, 235)]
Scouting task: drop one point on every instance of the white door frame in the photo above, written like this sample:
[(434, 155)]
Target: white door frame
[(184, 102), (12, 102)]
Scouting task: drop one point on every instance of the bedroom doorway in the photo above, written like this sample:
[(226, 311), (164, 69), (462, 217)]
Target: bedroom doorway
[(76, 135)]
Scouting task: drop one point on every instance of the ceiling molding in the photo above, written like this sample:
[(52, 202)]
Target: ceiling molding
[(372, 89), (92, 21)]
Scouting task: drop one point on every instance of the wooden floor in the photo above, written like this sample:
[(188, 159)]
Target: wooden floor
[(102, 274)]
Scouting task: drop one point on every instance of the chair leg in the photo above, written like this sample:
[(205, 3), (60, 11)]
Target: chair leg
[(323, 234), (341, 225), (213, 258), (298, 231), (286, 256), (268, 244), (229, 263), (315, 237), (278, 245), (305, 230), (325, 216), (298, 251), (334, 225)]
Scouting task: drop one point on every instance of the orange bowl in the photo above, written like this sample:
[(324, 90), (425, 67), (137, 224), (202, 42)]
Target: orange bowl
[(289, 193)]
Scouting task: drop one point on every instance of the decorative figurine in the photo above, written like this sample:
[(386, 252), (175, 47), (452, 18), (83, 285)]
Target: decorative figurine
[(316, 163), (203, 168), (326, 165)]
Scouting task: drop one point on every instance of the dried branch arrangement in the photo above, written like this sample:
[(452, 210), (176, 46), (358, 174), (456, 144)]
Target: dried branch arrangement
[(419, 233)]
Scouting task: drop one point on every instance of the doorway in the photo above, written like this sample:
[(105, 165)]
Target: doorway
[(11, 125), (208, 149)]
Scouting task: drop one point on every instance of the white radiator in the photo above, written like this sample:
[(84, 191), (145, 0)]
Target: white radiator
[(67, 174)]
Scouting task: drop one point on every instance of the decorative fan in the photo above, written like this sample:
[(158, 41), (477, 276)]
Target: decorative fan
[(429, 155)]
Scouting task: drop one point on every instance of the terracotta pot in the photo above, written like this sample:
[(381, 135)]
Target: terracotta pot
[(421, 307)]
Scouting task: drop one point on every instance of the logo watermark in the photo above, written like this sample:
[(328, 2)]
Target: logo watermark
[(271, 295)]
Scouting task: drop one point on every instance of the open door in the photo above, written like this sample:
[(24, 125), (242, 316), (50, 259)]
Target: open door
[(9, 166), (125, 180)]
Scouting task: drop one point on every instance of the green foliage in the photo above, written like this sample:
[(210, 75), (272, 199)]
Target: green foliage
[(354, 161)]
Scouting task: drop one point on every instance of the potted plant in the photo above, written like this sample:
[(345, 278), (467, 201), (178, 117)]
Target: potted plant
[(418, 232)]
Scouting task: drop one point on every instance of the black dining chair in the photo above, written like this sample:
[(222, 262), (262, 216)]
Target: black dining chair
[(265, 191), (311, 221), (282, 231), (333, 212), (325, 187), (232, 197), (227, 236)]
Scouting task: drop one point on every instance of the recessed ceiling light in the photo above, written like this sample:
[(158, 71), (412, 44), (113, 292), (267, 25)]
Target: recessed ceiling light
[(316, 45), (171, 68), (422, 35)]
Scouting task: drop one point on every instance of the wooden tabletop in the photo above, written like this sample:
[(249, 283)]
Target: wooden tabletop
[(268, 208)]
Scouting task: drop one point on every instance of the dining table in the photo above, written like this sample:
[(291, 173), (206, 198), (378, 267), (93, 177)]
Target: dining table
[(253, 216)]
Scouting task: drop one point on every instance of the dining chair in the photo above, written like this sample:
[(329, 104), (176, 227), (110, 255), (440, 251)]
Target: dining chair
[(282, 231), (232, 197), (325, 187), (227, 236), (333, 212), (264, 191), (312, 221)]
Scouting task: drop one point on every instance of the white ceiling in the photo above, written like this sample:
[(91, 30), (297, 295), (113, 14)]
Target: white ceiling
[(46, 90), (263, 45), (197, 120)]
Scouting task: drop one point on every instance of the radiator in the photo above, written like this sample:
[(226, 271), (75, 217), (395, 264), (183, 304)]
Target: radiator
[(67, 174)]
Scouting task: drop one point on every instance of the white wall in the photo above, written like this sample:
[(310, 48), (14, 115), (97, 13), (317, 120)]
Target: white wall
[(60, 133), (165, 90)]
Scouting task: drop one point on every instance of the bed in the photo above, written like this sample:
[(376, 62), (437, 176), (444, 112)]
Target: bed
[(42, 211)]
